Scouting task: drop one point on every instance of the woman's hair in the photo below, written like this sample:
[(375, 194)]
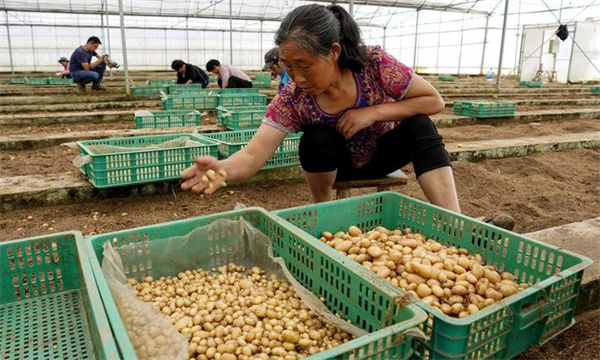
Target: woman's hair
[(211, 64), (177, 64), (315, 27)]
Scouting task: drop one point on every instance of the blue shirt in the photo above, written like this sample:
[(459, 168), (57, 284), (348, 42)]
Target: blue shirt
[(78, 57), (284, 78)]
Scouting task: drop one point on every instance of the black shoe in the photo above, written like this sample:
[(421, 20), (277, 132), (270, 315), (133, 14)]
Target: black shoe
[(81, 88), (504, 221), (97, 87)]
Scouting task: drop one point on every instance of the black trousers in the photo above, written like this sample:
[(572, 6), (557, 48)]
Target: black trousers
[(235, 82), (415, 139)]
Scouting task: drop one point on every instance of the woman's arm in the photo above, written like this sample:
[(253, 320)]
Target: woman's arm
[(239, 167), (421, 98)]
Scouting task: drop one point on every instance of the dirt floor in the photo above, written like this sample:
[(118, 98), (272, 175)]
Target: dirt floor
[(7, 130), (578, 343), (540, 191), (57, 159)]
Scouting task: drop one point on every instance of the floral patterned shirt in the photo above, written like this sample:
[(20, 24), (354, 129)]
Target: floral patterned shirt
[(383, 79)]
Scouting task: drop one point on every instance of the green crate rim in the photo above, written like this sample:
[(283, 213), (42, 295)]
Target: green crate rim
[(126, 347), (539, 287), (108, 345)]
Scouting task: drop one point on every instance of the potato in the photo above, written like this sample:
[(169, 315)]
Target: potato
[(463, 314), (437, 291), (507, 276), (423, 290), (471, 278), (455, 299), (354, 231), (435, 246), (508, 290), (493, 294), (430, 300), (491, 275), (375, 251), (459, 290), (477, 270), (411, 243), (464, 262), (472, 309), (425, 271), (446, 309), (344, 246), (457, 308), (414, 278), (482, 286)]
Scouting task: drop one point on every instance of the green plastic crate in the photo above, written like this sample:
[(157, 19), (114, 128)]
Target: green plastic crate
[(189, 90), (36, 81), (50, 307), (60, 81), (595, 89), (154, 90), (17, 80), (233, 100), (228, 91), (160, 82), (212, 78), (484, 108), (348, 289), (142, 166), (231, 142), (262, 80), (240, 118), (501, 331), (192, 102), (533, 84), (446, 78), (167, 119)]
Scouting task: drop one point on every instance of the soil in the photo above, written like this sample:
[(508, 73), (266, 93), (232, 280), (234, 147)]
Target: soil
[(539, 191), (578, 343), (55, 160), (7, 130)]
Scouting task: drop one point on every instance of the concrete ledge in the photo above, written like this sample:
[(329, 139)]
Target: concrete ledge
[(503, 148), (546, 102), (447, 120), (82, 106), (23, 191), (57, 99), (580, 238), (66, 117), (26, 191), (23, 142)]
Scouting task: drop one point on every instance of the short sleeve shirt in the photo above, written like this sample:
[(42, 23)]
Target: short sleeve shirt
[(382, 79), (78, 57)]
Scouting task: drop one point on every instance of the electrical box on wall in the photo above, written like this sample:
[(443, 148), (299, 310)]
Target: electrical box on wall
[(554, 46)]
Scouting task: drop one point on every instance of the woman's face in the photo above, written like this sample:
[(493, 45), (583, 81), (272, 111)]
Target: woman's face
[(314, 74)]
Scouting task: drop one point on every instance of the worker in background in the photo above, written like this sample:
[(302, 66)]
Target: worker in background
[(84, 70), (272, 63), (229, 76), (189, 74), (65, 73)]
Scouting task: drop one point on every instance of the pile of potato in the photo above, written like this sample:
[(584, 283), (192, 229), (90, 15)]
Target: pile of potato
[(234, 313), (448, 278)]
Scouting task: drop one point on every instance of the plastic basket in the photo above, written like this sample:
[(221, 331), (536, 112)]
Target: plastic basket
[(49, 304), (533, 84), (142, 166), (60, 81), (36, 81), (446, 78), (262, 80), (484, 109), (153, 90), (353, 296), (233, 100), (500, 331), (17, 80), (167, 119), (189, 90), (229, 91), (240, 118), (184, 101), (231, 142), (595, 89), (160, 82)]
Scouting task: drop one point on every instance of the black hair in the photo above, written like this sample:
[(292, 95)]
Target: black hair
[(210, 65), (95, 40), (315, 27), (177, 64)]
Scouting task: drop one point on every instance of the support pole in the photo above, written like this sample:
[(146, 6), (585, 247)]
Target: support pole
[(166, 51), (502, 46), (261, 42), (437, 53), (187, 38), (230, 34), (108, 34), (416, 40), (10, 54), (123, 41), (33, 48), (462, 29), (485, 37), (351, 8), (384, 36)]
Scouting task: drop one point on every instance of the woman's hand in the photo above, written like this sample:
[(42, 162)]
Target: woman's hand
[(354, 120), (205, 176)]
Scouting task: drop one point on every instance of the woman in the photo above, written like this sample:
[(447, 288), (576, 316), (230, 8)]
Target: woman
[(363, 113)]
